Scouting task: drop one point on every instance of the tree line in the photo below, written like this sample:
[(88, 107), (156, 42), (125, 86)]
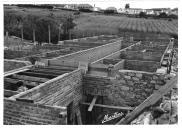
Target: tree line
[(38, 28)]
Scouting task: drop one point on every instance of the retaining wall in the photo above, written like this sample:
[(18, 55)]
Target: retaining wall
[(145, 56), (59, 91), (129, 88), (21, 113), (14, 64), (147, 66)]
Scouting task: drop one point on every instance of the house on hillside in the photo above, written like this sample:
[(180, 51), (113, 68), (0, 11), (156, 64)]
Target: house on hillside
[(71, 6), (85, 7), (121, 10), (158, 11), (134, 10)]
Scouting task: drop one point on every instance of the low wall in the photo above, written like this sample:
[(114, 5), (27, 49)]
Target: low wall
[(21, 113), (14, 64), (147, 47), (147, 66), (128, 88), (115, 55), (145, 56), (92, 54), (59, 91)]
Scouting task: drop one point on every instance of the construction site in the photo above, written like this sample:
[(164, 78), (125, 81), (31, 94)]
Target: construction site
[(96, 80)]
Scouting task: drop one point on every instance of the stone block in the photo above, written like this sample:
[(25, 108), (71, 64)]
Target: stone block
[(152, 81), (127, 77), (157, 87), (130, 83), (139, 75), (155, 77), (131, 74), (160, 82), (125, 88), (148, 90), (135, 79), (122, 81)]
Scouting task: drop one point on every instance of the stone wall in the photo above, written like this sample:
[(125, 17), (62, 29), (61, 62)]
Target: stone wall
[(137, 55), (21, 113), (128, 88), (147, 47), (14, 64), (59, 91), (147, 66)]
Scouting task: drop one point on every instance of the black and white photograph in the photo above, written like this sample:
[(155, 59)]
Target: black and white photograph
[(90, 62)]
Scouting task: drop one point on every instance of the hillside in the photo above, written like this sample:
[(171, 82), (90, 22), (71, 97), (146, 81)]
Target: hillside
[(89, 24)]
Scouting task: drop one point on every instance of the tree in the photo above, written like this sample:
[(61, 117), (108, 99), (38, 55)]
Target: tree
[(67, 25), (163, 15), (142, 15), (30, 27), (127, 6)]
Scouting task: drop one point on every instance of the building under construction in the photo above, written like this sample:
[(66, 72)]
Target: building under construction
[(111, 83)]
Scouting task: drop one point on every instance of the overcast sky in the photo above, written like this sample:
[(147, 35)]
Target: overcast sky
[(116, 3)]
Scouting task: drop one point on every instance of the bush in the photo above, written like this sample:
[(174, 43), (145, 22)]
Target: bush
[(142, 15), (109, 12), (85, 10)]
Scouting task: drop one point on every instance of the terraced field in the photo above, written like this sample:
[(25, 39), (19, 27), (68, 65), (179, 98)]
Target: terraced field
[(101, 24), (145, 25)]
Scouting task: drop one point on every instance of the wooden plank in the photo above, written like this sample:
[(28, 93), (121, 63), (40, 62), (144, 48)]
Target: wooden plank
[(43, 75), (24, 100), (49, 71), (17, 70), (14, 81), (149, 101), (66, 68), (9, 93), (92, 104), (79, 119), (30, 78), (109, 106)]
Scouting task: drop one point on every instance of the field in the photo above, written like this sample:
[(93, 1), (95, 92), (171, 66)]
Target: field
[(114, 24), (90, 24)]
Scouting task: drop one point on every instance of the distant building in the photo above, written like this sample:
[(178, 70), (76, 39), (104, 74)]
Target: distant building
[(130, 10), (134, 10), (85, 6), (174, 11), (71, 6), (97, 9), (149, 11), (158, 11), (121, 10)]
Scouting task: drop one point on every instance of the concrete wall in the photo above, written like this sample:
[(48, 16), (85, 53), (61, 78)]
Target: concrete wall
[(129, 88), (14, 64), (147, 66), (21, 113), (92, 54)]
